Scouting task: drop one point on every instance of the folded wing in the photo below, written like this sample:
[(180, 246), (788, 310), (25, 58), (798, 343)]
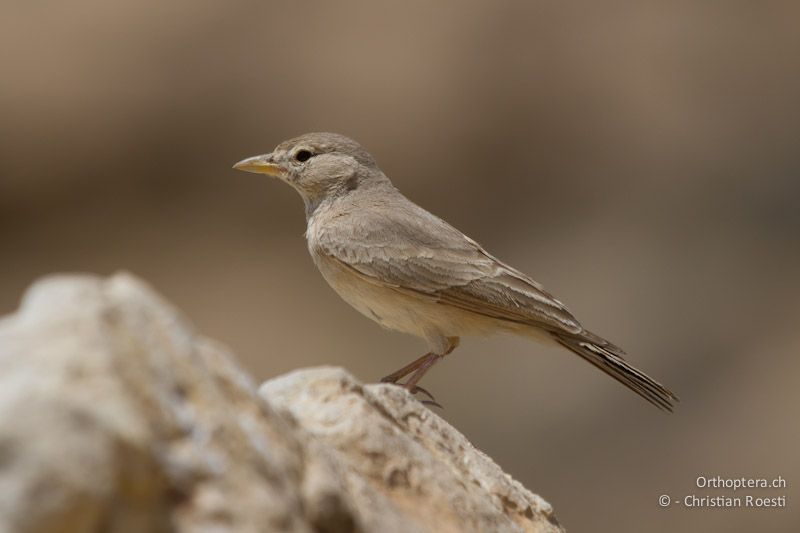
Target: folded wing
[(411, 250)]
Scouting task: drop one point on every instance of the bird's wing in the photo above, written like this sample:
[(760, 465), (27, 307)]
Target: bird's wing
[(410, 250)]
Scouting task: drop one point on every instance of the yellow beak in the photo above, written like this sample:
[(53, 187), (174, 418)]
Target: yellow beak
[(261, 164)]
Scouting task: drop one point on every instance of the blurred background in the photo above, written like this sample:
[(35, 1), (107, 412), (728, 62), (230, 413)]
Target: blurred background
[(640, 159)]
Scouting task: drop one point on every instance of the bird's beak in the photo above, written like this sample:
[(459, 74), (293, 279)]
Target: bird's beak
[(261, 164)]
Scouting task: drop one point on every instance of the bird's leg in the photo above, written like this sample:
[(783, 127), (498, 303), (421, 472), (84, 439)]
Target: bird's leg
[(396, 376), (430, 360), (418, 368)]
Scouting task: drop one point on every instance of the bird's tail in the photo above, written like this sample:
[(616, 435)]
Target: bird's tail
[(609, 359)]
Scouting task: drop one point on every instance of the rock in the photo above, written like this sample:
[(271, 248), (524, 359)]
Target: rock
[(116, 416), (398, 460)]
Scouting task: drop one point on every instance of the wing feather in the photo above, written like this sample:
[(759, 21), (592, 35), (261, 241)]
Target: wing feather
[(413, 251)]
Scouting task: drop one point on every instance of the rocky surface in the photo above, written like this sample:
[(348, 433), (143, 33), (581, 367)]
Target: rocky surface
[(116, 416)]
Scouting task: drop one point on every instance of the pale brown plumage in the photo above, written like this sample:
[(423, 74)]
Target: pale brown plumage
[(411, 271)]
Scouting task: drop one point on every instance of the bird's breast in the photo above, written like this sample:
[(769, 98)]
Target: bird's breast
[(384, 305)]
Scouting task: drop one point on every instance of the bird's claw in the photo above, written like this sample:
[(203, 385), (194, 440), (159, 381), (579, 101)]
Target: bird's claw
[(414, 389), (417, 389)]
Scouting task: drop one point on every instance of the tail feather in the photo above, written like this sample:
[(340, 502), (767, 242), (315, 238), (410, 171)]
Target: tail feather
[(609, 359)]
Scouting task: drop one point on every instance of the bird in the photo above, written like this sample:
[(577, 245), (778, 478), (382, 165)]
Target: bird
[(412, 272)]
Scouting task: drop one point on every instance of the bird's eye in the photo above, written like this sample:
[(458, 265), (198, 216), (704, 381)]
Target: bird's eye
[(303, 155)]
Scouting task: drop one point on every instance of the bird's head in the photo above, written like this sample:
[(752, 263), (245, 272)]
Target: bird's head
[(318, 165)]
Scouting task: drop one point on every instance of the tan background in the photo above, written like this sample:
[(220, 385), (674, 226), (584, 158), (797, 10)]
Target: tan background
[(638, 158)]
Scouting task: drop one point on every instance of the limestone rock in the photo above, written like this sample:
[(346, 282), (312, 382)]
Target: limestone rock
[(398, 459), (116, 416)]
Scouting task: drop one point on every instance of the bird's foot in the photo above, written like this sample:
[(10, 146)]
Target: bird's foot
[(417, 369), (431, 402), (415, 389)]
